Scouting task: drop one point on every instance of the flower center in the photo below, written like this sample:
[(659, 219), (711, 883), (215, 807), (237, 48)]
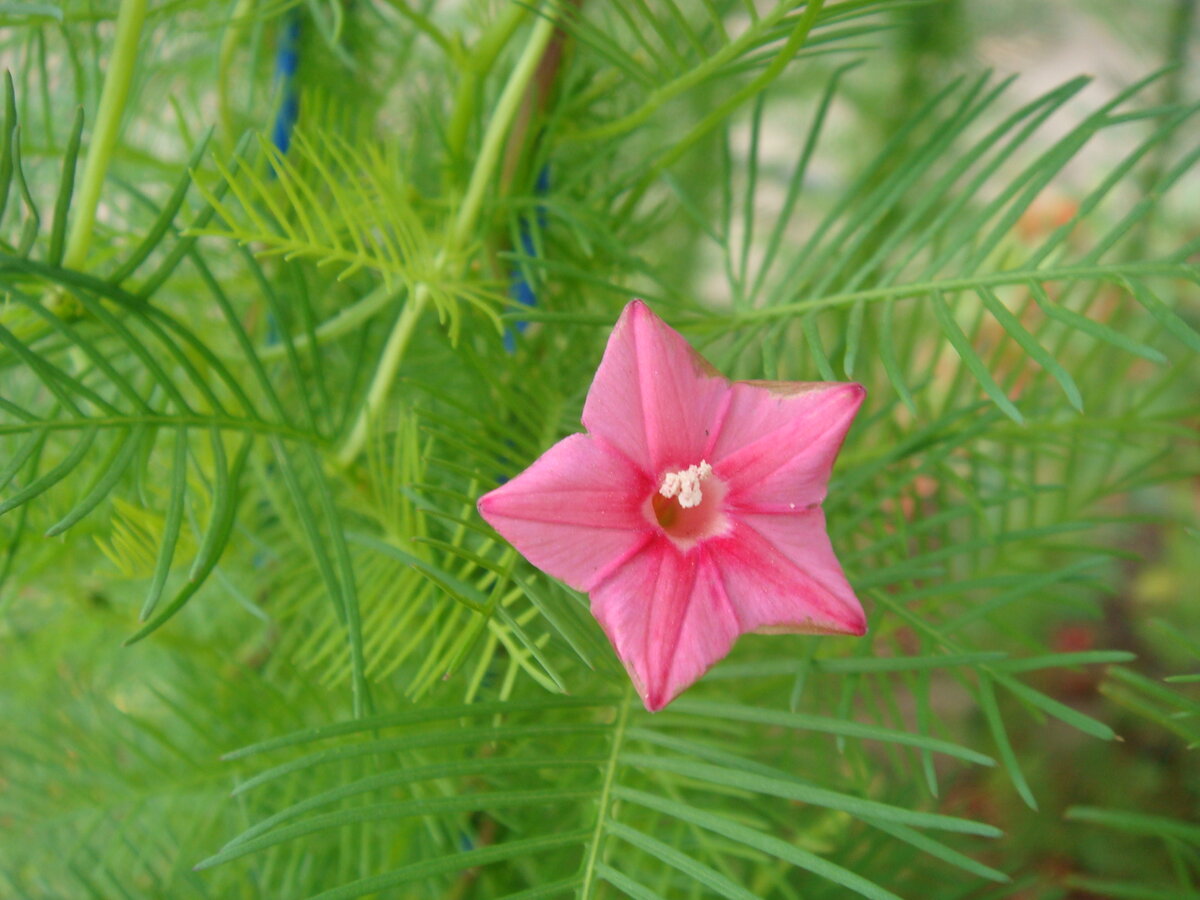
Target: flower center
[(685, 484), (686, 511)]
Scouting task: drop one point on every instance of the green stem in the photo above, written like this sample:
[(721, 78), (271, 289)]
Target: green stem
[(425, 25), (385, 374), (130, 18), (345, 321), (588, 881), (720, 114), (163, 420), (1094, 272), (497, 130), (233, 34), (464, 225), (702, 72), (477, 65)]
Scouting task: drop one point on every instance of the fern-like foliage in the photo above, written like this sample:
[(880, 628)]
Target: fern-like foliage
[(644, 779), (102, 376), (338, 205), (277, 377)]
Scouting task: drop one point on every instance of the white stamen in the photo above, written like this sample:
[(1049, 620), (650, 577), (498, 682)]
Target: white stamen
[(686, 484)]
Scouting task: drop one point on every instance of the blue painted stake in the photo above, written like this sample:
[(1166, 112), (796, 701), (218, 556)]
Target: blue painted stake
[(287, 60), (520, 288)]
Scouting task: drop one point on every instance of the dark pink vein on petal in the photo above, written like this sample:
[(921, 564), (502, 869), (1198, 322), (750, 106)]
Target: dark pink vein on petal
[(652, 385), (611, 568), (821, 598), (717, 424), (713, 573), (789, 463), (672, 602)]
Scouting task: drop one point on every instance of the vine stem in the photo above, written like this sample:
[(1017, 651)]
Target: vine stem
[(588, 879), (242, 11), (130, 18), (464, 224)]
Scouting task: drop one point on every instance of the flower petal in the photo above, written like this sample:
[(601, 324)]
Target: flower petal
[(654, 398), (668, 617), (777, 444), (575, 512), (780, 572)]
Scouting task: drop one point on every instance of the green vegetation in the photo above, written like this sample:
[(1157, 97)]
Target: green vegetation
[(254, 375)]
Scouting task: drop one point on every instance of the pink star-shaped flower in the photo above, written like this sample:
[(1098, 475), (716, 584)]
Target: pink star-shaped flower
[(691, 510)]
